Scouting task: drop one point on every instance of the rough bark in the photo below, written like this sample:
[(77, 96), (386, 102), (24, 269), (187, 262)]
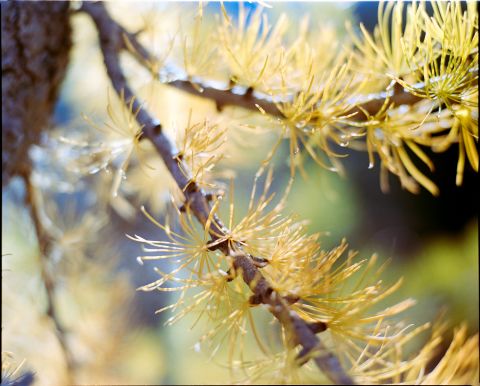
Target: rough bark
[(36, 39)]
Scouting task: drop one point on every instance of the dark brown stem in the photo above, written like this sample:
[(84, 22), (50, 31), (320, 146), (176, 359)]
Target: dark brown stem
[(110, 34), (254, 102), (46, 274), (229, 97)]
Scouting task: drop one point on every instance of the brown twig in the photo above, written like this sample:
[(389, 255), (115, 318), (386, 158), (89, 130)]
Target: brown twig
[(255, 102), (111, 43), (46, 274), (229, 97)]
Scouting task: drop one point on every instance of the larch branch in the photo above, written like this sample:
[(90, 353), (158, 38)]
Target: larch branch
[(247, 98), (46, 275), (112, 41), (257, 102)]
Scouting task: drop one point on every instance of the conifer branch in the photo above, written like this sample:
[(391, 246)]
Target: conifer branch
[(111, 37), (251, 101), (46, 275), (242, 97)]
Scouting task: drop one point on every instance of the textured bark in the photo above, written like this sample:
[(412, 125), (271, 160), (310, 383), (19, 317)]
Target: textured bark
[(36, 39)]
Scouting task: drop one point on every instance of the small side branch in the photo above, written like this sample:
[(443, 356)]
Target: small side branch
[(111, 44), (229, 97), (252, 101), (46, 274)]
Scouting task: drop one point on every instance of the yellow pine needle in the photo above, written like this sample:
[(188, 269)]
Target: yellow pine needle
[(382, 53), (199, 54), (391, 130), (201, 148), (315, 115), (248, 47), (415, 173)]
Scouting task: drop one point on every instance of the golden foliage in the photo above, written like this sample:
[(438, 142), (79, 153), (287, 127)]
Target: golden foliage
[(199, 53), (320, 89), (382, 54), (201, 278), (251, 50), (318, 114), (319, 86), (201, 148)]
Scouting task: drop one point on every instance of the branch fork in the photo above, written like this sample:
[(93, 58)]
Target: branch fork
[(111, 43)]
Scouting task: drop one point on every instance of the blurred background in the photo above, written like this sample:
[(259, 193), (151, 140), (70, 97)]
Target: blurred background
[(432, 242)]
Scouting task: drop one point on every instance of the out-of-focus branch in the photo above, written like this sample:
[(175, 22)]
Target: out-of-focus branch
[(111, 43), (46, 274)]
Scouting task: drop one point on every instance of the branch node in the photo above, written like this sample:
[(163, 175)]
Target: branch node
[(157, 129), (317, 327), (191, 187), (249, 92), (219, 106), (210, 196), (255, 300), (269, 294), (216, 245), (259, 262), (291, 299), (230, 275)]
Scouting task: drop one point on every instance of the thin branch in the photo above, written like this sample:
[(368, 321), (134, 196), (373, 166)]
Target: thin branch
[(256, 102), (245, 97), (240, 97), (111, 43), (46, 275)]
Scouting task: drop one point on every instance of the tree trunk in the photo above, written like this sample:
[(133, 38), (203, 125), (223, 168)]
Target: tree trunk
[(36, 39)]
